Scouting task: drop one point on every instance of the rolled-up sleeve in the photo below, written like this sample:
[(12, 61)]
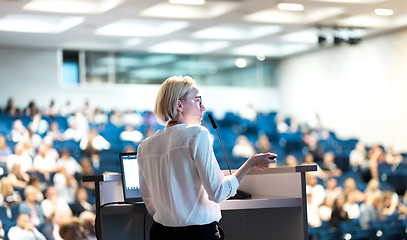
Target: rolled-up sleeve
[(217, 186)]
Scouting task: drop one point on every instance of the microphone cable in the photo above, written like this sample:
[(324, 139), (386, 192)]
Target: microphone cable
[(111, 203)]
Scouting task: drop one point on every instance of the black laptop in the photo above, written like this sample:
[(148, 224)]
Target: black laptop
[(130, 177)]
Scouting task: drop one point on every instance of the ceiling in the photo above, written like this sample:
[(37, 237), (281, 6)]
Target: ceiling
[(231, 27)]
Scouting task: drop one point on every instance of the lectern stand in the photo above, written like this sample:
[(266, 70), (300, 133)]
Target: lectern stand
[(277, 209)]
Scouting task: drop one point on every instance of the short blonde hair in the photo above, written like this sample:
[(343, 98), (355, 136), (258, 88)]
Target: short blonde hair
[(170, 92), (64, 227)]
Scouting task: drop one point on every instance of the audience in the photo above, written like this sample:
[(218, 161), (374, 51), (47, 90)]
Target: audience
[(31, 207), (341, 198), (24, 230)]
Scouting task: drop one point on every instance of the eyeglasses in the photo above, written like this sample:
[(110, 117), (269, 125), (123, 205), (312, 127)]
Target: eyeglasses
[(199, 101)]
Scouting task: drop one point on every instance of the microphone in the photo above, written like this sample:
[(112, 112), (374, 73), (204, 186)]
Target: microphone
[(239, 193)]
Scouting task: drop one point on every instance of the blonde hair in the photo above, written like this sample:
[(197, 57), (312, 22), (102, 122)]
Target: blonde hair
[(65, 225), (170, 92)]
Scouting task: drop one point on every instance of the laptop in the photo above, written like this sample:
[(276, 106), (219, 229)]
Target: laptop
[(130, 177)]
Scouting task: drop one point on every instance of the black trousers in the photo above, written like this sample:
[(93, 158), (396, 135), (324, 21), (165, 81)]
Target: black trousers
[(210, 231)]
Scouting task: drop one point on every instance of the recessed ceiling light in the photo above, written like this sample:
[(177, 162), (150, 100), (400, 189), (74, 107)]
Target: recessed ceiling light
[(38, 24), (291, 6), (261, 57), (188, 47), (188, 2), (209, 10), (72, 6), (142, 28), (240, 63), (383, 12), (236, 32)]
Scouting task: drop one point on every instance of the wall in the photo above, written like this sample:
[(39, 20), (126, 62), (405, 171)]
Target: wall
[(32, 74), (358, 91)]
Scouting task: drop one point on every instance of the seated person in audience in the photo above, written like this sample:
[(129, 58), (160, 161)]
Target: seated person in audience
[(8, 196), (50, 150), (17, 177), (38, 185), (263, 144), (81, 203), (351, 207), (31, 110), (309, 160), (5, 151), (325, 210), (332, 189), (358, 157), (2, 232), (70, 229), (390, 204), (132, 135), (66, 185), (11, 109), (87, 110), (54, 133), (149, 119), (350, 186), (51, 110), (31, 207), (392, 158), (19, 132), (87, 220), (44, 164), (294, 125), (338, 213), (281, 125), (69, 163), (80, 123), (30, 145), (243, 147), (99, 117), (67, 110), (129, 149), (371, 211), (38, 125), (312, 212), (291, 161), (248, 113), (133, 118), (317, 190), (149, 131), (87, 170), (376, 156), (54, 204), (50, 228), (72, 133), (20, 157), (117, 118), (329, 166), (24, 230), (93, 143), (372, 189)]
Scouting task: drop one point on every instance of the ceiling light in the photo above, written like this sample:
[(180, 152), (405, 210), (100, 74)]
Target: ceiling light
[(188, 47), (240, 63), (260, 57), (143, 28), (189, 2), (38, 24), (209, 10), (291, 6), (383, 12), (72, 6), (236, 32)]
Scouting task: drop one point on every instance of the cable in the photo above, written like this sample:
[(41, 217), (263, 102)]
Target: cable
[(97, 215)]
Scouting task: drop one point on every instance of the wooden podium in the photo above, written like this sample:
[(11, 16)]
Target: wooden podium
[(277, 209)]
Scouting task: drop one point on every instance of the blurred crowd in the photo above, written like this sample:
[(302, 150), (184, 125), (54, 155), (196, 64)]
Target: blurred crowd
[(44, 154)]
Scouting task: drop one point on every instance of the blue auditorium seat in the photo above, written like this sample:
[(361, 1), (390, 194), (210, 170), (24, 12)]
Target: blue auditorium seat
[(62, 123)]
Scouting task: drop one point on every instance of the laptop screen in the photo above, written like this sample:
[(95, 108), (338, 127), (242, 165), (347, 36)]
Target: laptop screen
[(130, 177)]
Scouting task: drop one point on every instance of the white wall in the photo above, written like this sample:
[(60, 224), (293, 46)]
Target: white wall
[(32, 74), (359, 91)]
